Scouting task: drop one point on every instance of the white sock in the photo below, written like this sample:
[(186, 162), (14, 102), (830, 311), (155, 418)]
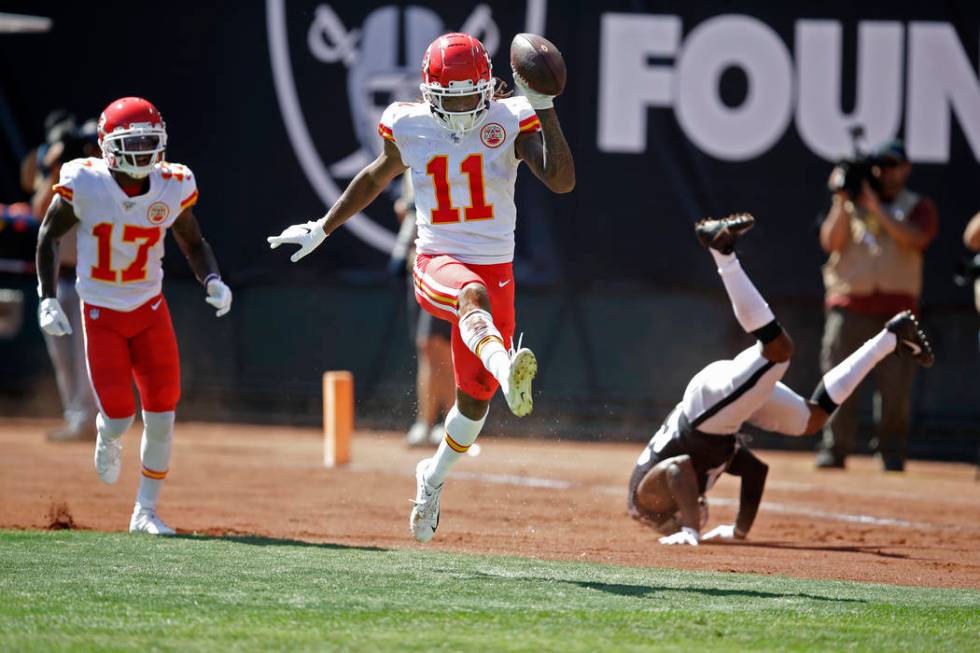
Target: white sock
[(481, 336), (461, 433), (158, 429), (751, 310), (842, 380), (112, 429)]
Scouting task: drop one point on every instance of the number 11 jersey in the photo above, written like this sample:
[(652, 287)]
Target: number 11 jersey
[(464, 189)]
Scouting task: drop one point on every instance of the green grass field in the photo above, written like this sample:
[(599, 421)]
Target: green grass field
[(94, 591)]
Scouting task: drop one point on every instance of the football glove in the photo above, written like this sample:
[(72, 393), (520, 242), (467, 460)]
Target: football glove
[(686, 535), (52, 318), (308, 236), (219, 296), (724, 532), (537, 100)]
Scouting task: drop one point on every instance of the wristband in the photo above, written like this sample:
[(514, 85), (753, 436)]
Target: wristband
[(211, 277)]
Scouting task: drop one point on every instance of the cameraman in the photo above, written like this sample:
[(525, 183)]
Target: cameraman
[(875, 243)]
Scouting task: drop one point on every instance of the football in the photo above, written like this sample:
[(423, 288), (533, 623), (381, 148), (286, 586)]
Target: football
[(539, 63)]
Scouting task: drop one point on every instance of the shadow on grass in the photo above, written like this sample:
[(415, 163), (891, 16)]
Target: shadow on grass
[(651, 591), (261, 540)]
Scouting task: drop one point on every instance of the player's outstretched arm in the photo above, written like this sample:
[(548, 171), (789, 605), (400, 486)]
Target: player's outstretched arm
[(361, 191), (753, 472), (58, 220), (200, 256), (548, 157)]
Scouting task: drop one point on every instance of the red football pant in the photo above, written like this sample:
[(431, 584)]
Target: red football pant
[(438, 281), (124, 345)]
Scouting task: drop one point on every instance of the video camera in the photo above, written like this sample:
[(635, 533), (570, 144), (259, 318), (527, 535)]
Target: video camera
[(850, 174)]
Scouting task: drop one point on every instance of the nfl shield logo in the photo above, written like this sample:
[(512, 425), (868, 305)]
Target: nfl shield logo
[(493, 135), (94, 313)]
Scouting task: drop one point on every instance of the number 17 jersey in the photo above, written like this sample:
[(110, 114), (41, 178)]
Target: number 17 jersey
[(120, 238), (464, 189)]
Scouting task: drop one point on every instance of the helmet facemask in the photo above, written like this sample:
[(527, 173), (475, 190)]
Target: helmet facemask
[(459, 122), (136, 149)]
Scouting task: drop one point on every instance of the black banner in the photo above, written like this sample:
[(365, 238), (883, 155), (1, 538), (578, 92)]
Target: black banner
[(673, 112), (671, 115)]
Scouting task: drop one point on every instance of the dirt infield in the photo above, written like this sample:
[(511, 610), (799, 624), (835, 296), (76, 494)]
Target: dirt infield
[(527, 498)]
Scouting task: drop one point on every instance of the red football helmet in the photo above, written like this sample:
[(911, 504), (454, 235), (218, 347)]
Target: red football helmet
[(457, 65), (132, 135)]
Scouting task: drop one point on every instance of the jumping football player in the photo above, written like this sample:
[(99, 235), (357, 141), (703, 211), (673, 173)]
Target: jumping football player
[(123, 204), (463, 147), (699, 439)]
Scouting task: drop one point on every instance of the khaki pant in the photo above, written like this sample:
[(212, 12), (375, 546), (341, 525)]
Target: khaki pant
[(844, 332), (68, 358)]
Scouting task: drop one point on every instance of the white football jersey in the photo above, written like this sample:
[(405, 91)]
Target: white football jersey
[(120, 238), (464, 190)]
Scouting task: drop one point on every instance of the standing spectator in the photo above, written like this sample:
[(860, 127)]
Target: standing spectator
[(65, 142), (434, 384), (874, 270), (971, 238)]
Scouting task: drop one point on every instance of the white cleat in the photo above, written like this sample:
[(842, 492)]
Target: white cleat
[(147, 521), (108, 458), (523, 369), (425, 514)]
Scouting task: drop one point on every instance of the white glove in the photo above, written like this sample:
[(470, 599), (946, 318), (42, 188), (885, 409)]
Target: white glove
[(52, 318), (724, 532), (686, 535), (537, 100), (219, 296), (308, 236)]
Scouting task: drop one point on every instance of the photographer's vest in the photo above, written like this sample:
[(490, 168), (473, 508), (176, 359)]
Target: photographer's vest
[(872, 261)]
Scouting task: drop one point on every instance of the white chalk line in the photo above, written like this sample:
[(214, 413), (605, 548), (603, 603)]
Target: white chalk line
[(788, 509), (768, 506), (796, 486), (513, 479)]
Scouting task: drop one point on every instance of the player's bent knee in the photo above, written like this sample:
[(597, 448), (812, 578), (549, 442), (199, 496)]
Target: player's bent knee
[(679, 469), (118, 404), (473, 296), (471, 407), (780, 349), (816, 421)]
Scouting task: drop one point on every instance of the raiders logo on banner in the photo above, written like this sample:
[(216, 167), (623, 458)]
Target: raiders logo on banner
[(362, 57)]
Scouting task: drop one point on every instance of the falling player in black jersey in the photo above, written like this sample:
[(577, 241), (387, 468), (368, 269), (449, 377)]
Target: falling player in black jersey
[(699, 439)]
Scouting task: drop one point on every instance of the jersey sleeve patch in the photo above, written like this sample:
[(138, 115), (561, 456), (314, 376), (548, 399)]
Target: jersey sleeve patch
[(530, 124), (64, 191), (189, 201), (385, 132), (67, 178), (181, 174), (395, 111), (527, 119)]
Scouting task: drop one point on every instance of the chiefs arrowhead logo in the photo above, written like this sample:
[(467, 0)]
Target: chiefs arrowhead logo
[(157, 212), (493, 135)]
